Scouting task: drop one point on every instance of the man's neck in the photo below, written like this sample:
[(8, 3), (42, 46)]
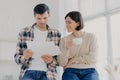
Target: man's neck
[(41, 28)]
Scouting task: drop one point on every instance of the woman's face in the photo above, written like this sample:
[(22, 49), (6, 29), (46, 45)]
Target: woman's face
[(71, 24)]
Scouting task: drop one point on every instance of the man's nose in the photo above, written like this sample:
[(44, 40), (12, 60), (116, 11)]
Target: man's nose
[(42, 21)]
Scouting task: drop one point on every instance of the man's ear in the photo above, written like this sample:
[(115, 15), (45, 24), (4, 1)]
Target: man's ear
[(34, 15)]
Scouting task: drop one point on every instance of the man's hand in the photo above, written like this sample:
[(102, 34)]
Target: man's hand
[(27, 53), (47, 58)]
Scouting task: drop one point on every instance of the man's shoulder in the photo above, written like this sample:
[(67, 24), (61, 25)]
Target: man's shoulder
[(26, 29), (26, 33), (54, 30)]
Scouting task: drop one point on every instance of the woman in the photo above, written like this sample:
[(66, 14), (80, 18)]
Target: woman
[(79, 50)]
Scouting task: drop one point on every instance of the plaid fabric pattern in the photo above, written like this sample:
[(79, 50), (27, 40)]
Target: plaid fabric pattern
[(27, 34)]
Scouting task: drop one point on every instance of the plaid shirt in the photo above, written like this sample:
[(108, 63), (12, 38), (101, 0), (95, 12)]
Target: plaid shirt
[(27, 34)]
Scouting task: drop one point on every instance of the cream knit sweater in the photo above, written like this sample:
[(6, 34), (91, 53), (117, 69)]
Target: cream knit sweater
[(85, 54)]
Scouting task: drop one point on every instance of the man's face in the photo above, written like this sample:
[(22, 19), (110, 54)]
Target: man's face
[(41, 19)]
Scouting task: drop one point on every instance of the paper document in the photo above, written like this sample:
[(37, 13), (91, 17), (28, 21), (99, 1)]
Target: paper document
[(43, 48)]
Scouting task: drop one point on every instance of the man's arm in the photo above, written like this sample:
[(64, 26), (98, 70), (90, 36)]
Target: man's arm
[(19, 50), (21, 56), (56, 36)]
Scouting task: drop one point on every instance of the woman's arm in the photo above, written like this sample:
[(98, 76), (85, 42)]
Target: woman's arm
[(87, 58), (63, 57)]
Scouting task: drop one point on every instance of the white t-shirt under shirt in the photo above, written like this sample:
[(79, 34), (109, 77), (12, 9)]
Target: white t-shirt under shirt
[(40, 47)]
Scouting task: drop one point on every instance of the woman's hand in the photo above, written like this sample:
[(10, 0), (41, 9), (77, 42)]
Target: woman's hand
[(47, 58), (70, 61), (69, 44)]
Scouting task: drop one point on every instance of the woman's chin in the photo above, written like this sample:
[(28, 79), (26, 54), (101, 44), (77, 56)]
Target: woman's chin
[(68, 31)]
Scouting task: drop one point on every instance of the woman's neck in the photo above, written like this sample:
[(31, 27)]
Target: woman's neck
[(78, 33)]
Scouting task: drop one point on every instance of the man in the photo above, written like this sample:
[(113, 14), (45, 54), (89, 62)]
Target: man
[(31, 41)]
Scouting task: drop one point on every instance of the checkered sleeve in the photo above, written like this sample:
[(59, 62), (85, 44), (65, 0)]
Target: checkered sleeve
[(52, 67), (57, 37), (52, 71), (21, 45)]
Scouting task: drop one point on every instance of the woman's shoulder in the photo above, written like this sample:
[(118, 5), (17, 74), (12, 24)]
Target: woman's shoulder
[(66, 37), (88, 34)]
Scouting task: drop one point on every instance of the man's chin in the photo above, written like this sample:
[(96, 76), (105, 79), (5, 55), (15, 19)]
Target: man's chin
[(42, 25)]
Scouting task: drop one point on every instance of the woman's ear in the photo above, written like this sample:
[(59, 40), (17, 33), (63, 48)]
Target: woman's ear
[(78, 23), (49, 15)]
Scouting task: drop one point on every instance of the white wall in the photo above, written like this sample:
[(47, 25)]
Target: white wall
[(16, 14), (66, 6)]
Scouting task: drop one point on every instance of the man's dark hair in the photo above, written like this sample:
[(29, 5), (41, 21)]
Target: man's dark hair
[(77, 17), (41, 8)]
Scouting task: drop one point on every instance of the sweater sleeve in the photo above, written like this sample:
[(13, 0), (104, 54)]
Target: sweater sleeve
[(63, 57), (91, 56)]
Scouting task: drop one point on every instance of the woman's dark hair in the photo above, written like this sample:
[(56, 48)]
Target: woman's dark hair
[(77, 17), (41, 8)]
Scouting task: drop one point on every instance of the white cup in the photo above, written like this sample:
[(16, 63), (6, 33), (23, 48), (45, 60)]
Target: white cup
[(77, 41)]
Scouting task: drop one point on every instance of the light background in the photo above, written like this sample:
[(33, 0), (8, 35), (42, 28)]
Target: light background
[(100, 17)]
